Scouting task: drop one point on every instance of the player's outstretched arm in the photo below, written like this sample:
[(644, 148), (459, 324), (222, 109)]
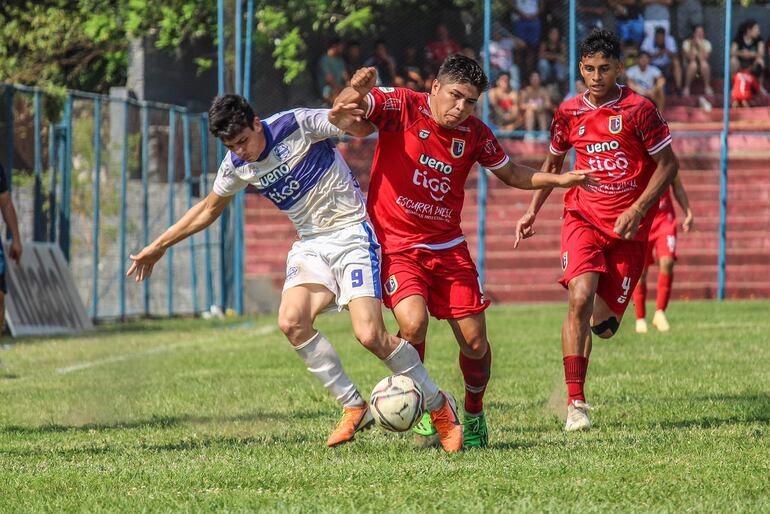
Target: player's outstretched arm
[(524, 177), (525, 225), (200, 216), (684, 202), (350, 118), (628, 222)]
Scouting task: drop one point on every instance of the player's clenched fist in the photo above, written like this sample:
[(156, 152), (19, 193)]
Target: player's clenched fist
[(364, 80)]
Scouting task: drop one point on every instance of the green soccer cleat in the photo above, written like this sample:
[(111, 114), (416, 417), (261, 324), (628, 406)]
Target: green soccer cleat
[(425, 427), (475, 431)]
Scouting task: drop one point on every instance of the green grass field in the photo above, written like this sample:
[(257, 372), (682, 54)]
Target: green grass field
[(190, 415)]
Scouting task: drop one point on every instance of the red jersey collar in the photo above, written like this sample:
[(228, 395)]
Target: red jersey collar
[(621, 89)]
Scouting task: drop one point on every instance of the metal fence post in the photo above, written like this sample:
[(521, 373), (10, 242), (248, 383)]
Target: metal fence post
[(171, 178), (123, 213), (146, 197), (723, 155), (37, 211), (189, 180), (96, 206), (204, 191)]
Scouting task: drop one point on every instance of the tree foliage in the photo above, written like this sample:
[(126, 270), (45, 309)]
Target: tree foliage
[(83, 44)]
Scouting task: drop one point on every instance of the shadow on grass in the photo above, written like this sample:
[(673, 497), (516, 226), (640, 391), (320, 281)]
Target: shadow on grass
[(160, 422)]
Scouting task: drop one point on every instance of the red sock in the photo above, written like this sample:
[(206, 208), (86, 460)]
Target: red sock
[(420, 347), (476, 374), (664, 290), (575, 368), (640, 296)]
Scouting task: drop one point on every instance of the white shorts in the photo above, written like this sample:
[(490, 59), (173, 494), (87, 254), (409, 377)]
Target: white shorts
[(346, 262)]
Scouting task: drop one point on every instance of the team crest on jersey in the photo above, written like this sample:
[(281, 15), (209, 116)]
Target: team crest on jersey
[(616, 124), (564, 261), (391, 286), (458, 147), (424, 134), (582, 130), (281, 151)]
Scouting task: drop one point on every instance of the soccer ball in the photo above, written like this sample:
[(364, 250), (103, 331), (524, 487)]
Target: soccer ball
[(397, 403)]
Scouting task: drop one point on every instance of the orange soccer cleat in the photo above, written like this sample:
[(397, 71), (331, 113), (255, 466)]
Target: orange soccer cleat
[(354, 419), (448, 425)]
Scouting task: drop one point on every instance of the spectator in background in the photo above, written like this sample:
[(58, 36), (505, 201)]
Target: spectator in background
[(589, 17), (629, 22), (656, 15), (353, 57), (526, 26), (746, 86), (629, 52), (502, 49), (663, 54), (331, 71), (689, 14), (536, 102), (647, 80), (696, 51), (505, 112), (552, 64), (384, 63), (12, 223), (411, 68), (441, 47), (747, 47)]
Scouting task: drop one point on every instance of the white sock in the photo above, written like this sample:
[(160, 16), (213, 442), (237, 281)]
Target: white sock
[(323, 361), (406, 361)]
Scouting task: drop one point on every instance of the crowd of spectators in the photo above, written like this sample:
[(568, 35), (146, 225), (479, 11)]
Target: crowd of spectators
[(665, 50)]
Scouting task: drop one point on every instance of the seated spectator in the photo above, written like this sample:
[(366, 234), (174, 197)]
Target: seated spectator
[(353, 58), (526, 26), (647, 80), (331, 71), (552, 64), (689, 14), (629, 22), (589, 17), (505, 113), (536, 102), (746, 86), (441, 47), (747, 47), (502, 49), (656, 15), (384, 62), (696, 51), (663, 54)]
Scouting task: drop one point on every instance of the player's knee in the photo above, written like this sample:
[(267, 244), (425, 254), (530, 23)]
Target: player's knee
[(476, 347), (606, 328), (372, 339), (581, 299), (293, 324), (666, 265), (413, 330)]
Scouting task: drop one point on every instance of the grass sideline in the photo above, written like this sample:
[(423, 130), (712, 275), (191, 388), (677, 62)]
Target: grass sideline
[(193, 415)]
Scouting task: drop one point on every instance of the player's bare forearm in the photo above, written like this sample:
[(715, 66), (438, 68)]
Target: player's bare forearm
[(9, 215), (524, 177), (200, 216), (680, 194), (668, 167), (552, 164), (361, 83)]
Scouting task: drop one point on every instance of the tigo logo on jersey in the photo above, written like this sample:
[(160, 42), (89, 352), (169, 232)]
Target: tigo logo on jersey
[(281, 151), (458, 147), (424, 134), (616, 124), (391, 285)]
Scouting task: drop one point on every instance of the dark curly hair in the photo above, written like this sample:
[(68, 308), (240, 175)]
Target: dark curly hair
[(459, 69), (601, 42), (229, 115)]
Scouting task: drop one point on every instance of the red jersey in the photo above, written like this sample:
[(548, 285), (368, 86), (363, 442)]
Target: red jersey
[(417, 185), (617, 140), (745, 86)]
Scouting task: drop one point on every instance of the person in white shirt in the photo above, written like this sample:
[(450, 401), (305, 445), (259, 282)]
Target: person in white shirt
[(647, 80), (664, 54)]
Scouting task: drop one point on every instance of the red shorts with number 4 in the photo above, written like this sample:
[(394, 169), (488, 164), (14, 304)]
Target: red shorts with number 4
[(584, 248), (662, 239), (446, 279)]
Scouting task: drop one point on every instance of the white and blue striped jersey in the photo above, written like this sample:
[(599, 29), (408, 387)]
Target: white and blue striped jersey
[(300, 171)]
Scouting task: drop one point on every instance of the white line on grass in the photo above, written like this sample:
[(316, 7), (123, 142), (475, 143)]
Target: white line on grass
[(158, 349)]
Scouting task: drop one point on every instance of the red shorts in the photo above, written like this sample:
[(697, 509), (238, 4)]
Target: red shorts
[(662, 239), (446, 279), (585, 248)]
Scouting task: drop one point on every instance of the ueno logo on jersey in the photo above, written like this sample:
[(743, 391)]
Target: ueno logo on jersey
[(274, 175), (438, 188), (604, 146), (435, 164)]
